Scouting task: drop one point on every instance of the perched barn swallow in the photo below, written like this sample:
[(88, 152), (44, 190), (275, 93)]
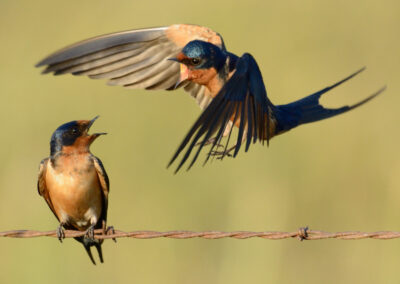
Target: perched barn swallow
[(75, 184), (229, 88)]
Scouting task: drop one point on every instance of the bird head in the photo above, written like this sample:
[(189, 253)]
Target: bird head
[(200, 61), (73, 137)]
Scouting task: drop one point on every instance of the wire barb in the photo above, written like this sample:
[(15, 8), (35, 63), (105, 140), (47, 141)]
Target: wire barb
[(301, 234)]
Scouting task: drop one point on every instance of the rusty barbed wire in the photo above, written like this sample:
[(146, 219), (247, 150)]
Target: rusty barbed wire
[(301, 234)]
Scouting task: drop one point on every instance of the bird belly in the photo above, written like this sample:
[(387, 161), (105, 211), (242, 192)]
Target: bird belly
[(76, 196)]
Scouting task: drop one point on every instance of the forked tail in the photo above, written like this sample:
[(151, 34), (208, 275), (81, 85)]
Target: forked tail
[(88, 243), (308, 109)]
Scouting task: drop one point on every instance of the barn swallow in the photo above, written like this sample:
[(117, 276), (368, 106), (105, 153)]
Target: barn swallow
[(229, 88), (75, 184)]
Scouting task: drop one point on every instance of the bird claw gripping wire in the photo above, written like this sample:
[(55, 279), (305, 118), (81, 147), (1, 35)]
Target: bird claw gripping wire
[(110, 231), (90, 233), (60, 233)]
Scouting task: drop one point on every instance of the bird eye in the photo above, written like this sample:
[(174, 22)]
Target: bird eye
[(195, 61), (74, 131)]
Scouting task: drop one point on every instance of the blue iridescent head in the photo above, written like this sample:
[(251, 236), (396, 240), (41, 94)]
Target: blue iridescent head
[(202, 55), (74, 134)]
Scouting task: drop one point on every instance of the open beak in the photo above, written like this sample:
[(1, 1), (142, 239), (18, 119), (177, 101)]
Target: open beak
[(95, 135), (183, 77), (92, 121), (183, 74)]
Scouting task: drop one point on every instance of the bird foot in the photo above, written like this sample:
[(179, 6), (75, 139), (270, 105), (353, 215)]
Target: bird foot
[(60, 233), (219, 155), (222, 154), (110, 231), (210, 141), (90, 233)]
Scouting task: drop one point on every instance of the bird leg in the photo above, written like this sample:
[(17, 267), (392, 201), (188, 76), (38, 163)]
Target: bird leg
[(221, 154), (60, 232), (210, 141), (108, 230), (90, 232)]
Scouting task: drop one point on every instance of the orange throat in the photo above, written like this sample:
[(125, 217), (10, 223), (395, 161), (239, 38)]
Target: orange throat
[(208, 78)]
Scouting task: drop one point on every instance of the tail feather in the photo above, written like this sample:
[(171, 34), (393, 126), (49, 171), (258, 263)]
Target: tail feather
[(87, 248), (88, 243), (308, 109), (99, 251)]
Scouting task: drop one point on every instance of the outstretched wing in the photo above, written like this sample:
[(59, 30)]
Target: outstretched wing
[(243, 102), (136, 59), (105, 186), (41, 185)]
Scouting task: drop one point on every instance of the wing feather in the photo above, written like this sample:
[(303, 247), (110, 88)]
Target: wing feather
[(133, 59), (105, 185), (42, 187), (242, 101), (149, 77), (167, 84), (94, 60)]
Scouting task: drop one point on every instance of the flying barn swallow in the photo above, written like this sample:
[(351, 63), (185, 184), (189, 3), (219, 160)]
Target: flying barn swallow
[(229, 88), (75, 184)]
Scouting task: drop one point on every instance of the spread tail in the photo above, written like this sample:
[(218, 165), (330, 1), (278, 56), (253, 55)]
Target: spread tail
[(308, 109)]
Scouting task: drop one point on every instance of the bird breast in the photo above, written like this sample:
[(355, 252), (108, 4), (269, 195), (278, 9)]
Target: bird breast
[(74, 190)]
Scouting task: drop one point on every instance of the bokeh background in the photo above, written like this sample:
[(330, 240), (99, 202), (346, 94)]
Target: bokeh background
[(335, 175)]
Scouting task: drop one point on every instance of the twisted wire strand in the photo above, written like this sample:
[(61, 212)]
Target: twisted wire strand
[(301, 234)]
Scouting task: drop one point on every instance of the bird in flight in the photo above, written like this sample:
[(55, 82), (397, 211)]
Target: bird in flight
[(75, 184), (229, 88)]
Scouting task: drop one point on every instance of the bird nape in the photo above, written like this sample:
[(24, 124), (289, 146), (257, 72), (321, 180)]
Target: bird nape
[(230, 89)]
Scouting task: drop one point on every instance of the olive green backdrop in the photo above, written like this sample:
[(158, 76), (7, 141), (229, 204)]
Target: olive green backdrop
[(335, 175)]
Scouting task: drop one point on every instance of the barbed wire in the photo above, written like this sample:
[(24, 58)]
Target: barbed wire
[(301, 234)]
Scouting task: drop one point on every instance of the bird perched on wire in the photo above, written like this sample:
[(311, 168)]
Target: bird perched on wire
[(75, 184), (229, 88)]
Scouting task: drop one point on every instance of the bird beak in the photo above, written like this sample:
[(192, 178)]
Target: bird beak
[(183, 77), (92, 121), (184, 71), (95, 135)]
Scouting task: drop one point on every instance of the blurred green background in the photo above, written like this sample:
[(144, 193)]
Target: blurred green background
[(336, 175)]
